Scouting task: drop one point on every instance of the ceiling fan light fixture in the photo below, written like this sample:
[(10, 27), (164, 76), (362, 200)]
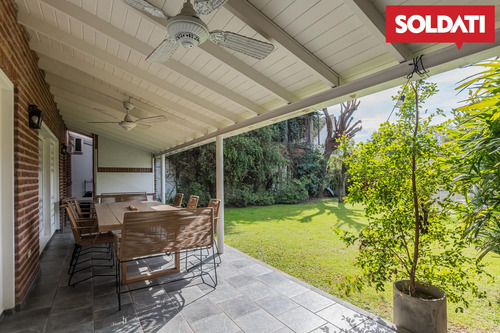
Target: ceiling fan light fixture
[(127, 125), (188, 31)]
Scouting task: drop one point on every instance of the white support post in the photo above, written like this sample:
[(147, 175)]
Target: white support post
[(162, 163), (219, 166)]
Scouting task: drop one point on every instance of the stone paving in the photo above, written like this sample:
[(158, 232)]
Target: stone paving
[(250, 297)]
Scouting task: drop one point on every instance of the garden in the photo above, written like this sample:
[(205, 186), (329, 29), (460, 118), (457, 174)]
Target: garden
[(397, 233), (298, 240)]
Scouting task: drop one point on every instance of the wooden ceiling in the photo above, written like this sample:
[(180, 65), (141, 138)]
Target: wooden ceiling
[(326, 51)]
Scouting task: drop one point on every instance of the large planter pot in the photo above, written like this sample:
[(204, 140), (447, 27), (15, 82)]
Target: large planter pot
[(416, 314)]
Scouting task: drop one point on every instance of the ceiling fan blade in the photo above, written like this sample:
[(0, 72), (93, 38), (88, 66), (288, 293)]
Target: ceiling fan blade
[(204, 7), (103, 122), (143, 126), (164, 51), (104, 112), (246, 45), (145, 6), (148, 119)]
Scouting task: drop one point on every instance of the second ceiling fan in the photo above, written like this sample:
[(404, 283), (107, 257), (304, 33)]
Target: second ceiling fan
[(188, 30)]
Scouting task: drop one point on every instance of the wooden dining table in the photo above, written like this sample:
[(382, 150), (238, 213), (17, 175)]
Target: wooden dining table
[(110, 214), (110, 218)]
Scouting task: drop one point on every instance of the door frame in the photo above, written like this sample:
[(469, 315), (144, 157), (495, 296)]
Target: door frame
[(7, 258)]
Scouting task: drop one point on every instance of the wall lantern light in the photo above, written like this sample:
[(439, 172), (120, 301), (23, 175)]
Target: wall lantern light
[(64, 149), (35, 116)]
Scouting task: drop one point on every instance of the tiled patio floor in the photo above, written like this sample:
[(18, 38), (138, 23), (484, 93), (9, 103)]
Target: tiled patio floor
[(250, 297)]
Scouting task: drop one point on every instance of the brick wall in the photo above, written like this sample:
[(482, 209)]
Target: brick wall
[(19, 63)]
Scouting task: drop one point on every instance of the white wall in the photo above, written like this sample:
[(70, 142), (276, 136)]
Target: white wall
[(81, 168), (7, 297), (112, 154)]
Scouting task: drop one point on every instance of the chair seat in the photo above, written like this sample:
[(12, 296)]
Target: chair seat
[(97, 239)]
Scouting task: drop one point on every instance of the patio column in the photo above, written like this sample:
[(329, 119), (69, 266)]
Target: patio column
[(162, 164), (219, 170)]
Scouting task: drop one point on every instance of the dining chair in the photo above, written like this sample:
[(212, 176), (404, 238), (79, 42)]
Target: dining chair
[(215, 204), (123, 197), (87, 238), (178, 200), (192, 202)]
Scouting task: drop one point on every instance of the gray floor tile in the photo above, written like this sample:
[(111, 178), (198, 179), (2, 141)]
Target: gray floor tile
[(70, 303), (342, 317), (238, 307), (110, 317), (200, 310), (258, 322), (131, 326), (176, 324), (301, 320), (215, 324), (255, 270), (328, 328), (149, 296), (223, 292), (241, 280), (313, 301), (186, 296), (370, 326), (159, 316), (290, 288), (257, 291), (67, 320), (276, 304), (240, 263), (110, 301), (24, 320)]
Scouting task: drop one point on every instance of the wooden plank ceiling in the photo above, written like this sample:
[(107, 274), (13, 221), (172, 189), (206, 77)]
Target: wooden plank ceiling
[(326, 51)]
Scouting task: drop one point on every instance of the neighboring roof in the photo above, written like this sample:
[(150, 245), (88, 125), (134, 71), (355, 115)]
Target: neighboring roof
[(326, 51)]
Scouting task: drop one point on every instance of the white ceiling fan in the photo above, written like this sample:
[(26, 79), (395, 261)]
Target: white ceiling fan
[(188, 30), (128, 123)]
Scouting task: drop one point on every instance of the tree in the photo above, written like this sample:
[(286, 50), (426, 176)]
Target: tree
[(476, 165), (397, 175), (337, 127)]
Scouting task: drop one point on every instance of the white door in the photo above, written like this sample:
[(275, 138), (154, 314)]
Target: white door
[(48, 182)]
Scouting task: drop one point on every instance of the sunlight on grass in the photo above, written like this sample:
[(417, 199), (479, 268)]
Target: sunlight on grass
[(297, 240)]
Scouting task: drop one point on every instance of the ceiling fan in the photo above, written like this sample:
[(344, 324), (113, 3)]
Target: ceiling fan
[(188, 30), (128, 123)]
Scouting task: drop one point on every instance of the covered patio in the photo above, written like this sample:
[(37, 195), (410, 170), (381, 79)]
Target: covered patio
[(84, 64), (250, 297)]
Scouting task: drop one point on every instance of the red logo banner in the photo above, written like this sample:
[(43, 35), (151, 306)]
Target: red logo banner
[(440, 24)]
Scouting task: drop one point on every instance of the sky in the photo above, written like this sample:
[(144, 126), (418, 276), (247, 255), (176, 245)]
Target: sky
[(375, 109)]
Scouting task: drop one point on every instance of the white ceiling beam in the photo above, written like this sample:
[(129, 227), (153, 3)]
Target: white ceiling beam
[(438, 61), (233, 62), (375, 22), (76, 125), (57, 88), (111, 130), (147, 137), (75, 88), (109, 78), (92, 50), (56, 68), (117, 34), (251, 16)]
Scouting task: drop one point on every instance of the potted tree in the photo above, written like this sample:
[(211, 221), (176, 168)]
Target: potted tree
[(409, 238)]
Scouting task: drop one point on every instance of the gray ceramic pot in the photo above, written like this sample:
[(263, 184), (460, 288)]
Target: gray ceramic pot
[(416, 314)]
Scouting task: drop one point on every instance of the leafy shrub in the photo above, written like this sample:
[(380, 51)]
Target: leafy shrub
[(291, 192)]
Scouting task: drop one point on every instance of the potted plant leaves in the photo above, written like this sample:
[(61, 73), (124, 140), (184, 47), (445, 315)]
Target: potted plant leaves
[(409, 239)]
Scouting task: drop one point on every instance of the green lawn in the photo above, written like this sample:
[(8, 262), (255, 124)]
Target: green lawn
[(297, 240)]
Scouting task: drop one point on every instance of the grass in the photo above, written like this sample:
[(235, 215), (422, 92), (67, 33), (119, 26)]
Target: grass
[(296, 239)]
